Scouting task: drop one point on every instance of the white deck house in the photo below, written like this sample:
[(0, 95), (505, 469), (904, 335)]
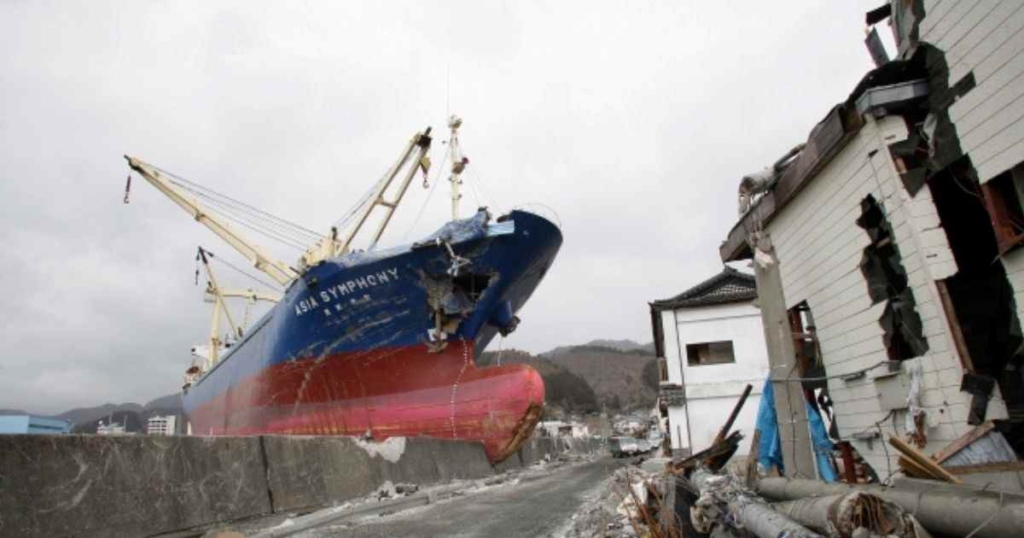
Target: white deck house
[(710, 342)]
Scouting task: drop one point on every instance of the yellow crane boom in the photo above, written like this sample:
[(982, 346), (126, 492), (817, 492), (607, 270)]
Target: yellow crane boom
[(260, 259)]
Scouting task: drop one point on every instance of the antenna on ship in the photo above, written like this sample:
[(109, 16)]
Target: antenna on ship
[(459, 162)]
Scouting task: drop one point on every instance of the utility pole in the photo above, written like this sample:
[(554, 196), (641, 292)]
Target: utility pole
[(790, 409)]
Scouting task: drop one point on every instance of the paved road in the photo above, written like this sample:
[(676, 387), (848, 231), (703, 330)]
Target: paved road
[(541, 507)]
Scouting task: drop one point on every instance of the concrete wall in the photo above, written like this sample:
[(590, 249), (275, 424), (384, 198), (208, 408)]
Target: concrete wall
[(712, 390), (820, 247), (119, 486), (74, 485)]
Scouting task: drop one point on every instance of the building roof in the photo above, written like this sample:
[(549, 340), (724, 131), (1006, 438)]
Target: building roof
[(824, 142), (729, 286)]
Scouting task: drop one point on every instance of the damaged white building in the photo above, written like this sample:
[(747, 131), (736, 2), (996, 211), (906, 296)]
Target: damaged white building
[(710, 346), (888, 246)]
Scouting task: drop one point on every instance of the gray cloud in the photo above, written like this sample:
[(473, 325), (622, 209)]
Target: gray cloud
[(632, 120)]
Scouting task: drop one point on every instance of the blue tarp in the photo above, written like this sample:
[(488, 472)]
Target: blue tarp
[(769, 450), (770, 447), (822, 445)]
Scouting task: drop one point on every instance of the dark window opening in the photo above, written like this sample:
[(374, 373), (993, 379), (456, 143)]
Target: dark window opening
[(805, 344), (978, 299), (887, 281), (811, 366), (710, 353)]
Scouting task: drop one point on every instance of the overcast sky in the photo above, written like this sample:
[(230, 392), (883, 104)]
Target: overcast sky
[(632, 120)]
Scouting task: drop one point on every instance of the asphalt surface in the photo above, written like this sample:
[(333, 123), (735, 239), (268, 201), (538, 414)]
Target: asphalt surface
[(540, 507)]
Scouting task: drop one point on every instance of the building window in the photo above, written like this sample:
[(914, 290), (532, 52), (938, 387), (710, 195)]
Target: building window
[(710, 353)]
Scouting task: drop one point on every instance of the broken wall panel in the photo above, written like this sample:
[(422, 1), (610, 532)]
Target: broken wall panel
[(819, 247)]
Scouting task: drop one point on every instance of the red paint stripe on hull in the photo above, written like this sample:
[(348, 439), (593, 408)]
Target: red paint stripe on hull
[(388, 392)]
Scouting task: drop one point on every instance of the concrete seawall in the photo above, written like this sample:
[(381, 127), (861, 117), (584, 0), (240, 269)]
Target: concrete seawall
[(80, 485)]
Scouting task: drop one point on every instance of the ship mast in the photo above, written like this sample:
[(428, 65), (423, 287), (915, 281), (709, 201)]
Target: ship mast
[(217, 295), (459, 162), (419, 145), (259, 258)]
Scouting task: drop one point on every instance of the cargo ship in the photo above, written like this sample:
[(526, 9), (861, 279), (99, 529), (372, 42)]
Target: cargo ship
[(378, 343)]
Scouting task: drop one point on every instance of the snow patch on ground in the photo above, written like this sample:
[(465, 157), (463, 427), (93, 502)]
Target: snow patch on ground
[(391, 450)]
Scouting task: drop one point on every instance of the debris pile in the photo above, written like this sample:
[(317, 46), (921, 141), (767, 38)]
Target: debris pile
[(630, 503)]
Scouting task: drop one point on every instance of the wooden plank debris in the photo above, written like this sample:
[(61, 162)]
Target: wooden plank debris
[(920, 460), (732, 416)]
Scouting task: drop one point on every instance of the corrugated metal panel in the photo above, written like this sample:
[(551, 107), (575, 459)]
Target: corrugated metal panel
[(990, 448)]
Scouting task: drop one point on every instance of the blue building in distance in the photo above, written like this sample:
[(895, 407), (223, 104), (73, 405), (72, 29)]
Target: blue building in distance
[(15, 424)]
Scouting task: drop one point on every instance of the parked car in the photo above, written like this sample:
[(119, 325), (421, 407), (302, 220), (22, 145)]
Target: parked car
[(622, 447)]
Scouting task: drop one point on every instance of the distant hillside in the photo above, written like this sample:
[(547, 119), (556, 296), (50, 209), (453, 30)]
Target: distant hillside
[(625, 346), (165, 405), (618, 378), (133, 421), (85, 419), (85, 415), (563, 389)]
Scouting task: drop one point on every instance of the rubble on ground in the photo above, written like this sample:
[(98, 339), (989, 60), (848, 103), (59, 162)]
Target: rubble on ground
[(627, 504)]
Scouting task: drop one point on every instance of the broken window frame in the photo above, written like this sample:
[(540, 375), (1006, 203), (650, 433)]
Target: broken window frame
[(1002, 196)]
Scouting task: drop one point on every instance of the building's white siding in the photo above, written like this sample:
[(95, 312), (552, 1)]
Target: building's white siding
[(985, 37), (712, 390), (819, 247)]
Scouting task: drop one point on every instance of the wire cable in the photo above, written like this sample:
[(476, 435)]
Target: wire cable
[(243, 271), (269, 235), (283, 227), (229, 213), (181, 180), (430, 195)]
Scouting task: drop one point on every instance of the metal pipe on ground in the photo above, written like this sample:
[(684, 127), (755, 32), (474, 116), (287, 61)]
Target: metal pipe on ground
[(945, 510), (757, 517), (843, 515), (766, 522)]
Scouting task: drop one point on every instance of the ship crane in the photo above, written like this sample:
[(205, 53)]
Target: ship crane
[(259, 258), (218, 296), (329, 245)]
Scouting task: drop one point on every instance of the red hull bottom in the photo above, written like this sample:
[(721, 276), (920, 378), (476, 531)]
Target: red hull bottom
[(384, 392)]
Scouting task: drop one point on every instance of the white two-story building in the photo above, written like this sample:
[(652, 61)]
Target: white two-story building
[(710, 343)]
